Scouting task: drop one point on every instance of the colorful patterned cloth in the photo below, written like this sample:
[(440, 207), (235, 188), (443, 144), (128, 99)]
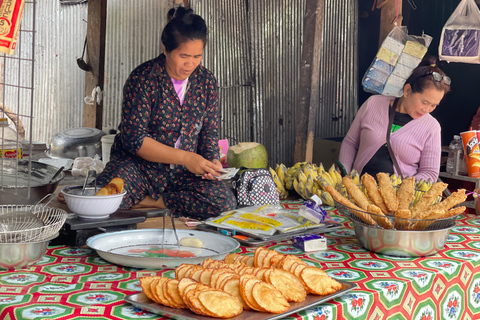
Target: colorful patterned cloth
[(76, 284)]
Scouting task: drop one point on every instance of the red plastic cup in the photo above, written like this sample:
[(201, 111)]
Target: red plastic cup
[(472, 152)]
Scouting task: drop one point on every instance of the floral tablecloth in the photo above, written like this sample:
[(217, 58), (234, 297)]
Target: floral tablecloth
[(76, 284)]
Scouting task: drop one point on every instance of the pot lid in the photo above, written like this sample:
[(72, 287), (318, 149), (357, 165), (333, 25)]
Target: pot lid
[(82, 132)]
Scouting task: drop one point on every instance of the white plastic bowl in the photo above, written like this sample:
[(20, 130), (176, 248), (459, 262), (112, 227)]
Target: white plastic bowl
[(89, 205)]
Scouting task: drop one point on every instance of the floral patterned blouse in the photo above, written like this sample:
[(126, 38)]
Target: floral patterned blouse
[(151, 108)]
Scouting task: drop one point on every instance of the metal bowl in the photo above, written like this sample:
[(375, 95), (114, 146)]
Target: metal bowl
[(402, 243), (76, 142), (22, 255), (24, 186)]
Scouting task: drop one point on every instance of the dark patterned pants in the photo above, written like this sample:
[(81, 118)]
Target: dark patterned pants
[(182, 192)]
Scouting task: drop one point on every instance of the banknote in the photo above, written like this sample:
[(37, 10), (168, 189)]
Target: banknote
[(226, 173)]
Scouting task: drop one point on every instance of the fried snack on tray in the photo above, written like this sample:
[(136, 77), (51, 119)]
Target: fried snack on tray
[(406, 193), (145, 285), (318, 282), (269, 298), (420, 210), (379, 217), (354, 208), (287, 283), (355, 192), (370, 184), (219, 304), (232, 285), (387, 191)]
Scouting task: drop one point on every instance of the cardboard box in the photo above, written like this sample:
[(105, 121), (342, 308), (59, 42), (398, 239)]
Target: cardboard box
[(326, 150)]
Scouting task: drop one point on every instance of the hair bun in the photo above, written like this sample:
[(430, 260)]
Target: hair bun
[(182, 14)]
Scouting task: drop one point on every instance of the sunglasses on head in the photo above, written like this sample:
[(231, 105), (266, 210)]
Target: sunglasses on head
[(438, 77)]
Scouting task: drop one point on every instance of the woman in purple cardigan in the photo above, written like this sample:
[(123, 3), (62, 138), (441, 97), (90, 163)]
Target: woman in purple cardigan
[(414, 137)]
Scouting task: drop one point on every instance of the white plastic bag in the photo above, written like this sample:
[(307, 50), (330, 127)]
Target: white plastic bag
[(82, 165), (398, 55), (460, 39)]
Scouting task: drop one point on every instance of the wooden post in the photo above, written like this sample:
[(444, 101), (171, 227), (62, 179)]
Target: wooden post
[(96, 28), (309, 80), (388, 14)]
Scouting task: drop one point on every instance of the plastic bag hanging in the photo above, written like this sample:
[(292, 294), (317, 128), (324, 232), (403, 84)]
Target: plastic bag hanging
[(460, 39), (398, 55)]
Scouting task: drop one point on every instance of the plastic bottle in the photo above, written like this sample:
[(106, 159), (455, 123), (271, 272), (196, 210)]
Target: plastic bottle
[(456, 144), (10, 145)]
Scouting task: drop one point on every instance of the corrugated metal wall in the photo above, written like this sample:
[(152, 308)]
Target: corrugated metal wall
[(338, 69), (254, 49), (134, 30)]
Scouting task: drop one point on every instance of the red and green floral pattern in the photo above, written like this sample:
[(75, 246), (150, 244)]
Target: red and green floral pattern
[(74, 284)]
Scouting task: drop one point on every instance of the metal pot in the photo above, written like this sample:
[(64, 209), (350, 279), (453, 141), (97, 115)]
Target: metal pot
[(76, 142), (22, 255), (23, 186)]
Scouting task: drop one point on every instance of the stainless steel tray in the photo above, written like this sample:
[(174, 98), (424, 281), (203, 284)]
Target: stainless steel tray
[(142, 248), (255, 241), (141, 301)]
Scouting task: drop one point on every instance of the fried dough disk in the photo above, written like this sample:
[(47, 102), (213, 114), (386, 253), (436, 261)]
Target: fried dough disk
[(382, 221), (355, 192), (372, 190), (356, 210), (421, 208), (406, 193), (387, 191)]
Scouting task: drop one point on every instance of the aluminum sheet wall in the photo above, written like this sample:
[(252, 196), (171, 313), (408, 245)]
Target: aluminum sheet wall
[(254, 50), (58, 82), (134, 30)]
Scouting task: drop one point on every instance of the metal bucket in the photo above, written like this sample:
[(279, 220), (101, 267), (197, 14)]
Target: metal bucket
[(19, 185)]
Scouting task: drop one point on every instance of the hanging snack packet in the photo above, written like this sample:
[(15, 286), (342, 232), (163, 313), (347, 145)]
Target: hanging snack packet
[(398, 55), (10, 17)]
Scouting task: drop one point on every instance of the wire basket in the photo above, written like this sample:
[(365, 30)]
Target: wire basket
[(391, 222), (21, 224)]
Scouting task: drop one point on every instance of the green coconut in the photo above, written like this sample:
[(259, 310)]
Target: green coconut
[(250, 155)]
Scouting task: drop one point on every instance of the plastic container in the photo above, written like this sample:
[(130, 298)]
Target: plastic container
[(455, 144), (472, 153), (107, 142), (10, 145), (34, 150)]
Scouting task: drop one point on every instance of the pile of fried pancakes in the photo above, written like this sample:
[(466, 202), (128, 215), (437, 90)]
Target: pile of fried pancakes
[(267, 282)]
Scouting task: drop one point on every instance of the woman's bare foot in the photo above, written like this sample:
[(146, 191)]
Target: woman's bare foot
[(61, 198), (149, 202)]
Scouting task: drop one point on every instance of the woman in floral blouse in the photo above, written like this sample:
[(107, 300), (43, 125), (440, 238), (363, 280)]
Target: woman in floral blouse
[(166, 150)]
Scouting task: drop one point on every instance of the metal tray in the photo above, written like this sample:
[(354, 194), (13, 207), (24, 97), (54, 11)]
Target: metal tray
[(133, 248), (141, 301), (256, 241)]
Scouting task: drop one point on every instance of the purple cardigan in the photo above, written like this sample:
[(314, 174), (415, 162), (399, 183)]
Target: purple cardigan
[(417, 145)]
